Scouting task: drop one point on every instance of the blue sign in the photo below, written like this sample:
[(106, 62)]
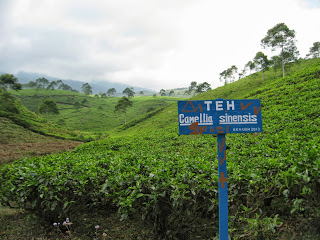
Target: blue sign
[(219, 116)]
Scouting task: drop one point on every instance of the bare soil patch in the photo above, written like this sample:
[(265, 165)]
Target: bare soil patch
[(14, 151)]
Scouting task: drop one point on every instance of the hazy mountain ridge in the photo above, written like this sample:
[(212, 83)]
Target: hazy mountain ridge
[(97, 86)]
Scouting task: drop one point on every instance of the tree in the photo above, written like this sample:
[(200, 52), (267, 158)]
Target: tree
[(243, 72), (31, 84), (9, 81), (129, 92), (77, 105), (162, 92), (7, 102), (49, 106), (65, 87), (42, 82), (261, 62), (250, 65), (281, 37), (86, 89), (52, 85), (84, 101), (122, 106), (192, 87), (203, 87), (187, 93), (141, 93), (171, 93), (111, 92), (228, 75), (275, 63), (314, 51), (59, 82)]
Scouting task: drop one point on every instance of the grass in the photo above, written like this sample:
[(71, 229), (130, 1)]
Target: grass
[(17, 142), (96, 115), (149, 174)]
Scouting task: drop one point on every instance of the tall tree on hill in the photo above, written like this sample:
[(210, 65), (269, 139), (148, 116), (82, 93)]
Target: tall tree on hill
[(261, 62), (43, 82), (31, 84), (314, 51), (111, 92), (281, 37), (162, 92), (52, 85), (250, 65), (9, 81), (171, 93), (65, 87), (192, 87), (129, 92), (86, 89), (203, 87), (228, 75), (122, 106), (275, 63)]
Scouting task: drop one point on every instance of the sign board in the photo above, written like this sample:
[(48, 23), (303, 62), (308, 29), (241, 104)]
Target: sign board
[(219, 116)]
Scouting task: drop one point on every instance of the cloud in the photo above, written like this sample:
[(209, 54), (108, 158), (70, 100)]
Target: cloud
[(311, 3), (148, 43)]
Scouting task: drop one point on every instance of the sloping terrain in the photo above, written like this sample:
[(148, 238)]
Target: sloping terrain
[(93, 114), (146, 172), (17, 142)]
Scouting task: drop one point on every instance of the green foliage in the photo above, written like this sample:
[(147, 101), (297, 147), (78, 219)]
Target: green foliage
[(7, 103), (314, 51), (86, 89), (122, 106), (196, 88), (280, 36), (89, 117), (16, 112), (228, 75), (9, 81), (129, 92), (111, 92), (171, 181), (49, 106), (261, 62)]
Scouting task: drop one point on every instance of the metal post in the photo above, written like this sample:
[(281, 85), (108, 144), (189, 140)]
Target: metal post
[(223, 188)]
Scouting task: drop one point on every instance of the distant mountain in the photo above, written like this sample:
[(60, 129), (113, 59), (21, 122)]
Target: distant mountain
[(97, 86)]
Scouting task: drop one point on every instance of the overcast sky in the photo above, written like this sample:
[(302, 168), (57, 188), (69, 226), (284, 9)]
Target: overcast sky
[(147, 43)]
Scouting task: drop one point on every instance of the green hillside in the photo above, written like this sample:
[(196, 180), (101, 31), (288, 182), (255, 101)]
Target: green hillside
[(147, 173), (20, 115), (17, 142), (95, 115)]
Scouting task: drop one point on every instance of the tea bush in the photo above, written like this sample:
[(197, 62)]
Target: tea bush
[(171, 180)]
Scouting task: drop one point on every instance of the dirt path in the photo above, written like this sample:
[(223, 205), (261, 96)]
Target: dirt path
[(15, 151)]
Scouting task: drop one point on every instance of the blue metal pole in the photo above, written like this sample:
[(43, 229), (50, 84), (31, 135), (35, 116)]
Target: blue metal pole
[(223, 188)]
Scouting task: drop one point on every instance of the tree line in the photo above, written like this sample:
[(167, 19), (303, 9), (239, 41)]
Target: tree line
[(280, 37)]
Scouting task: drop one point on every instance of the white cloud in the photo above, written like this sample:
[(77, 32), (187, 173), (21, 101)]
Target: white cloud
[(149, 43)]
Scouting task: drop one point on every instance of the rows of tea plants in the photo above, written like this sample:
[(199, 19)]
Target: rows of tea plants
[(172, 181)]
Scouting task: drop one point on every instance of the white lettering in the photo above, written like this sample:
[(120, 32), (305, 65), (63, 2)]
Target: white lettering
[(187, 120), (230, 105), (238, 119), (208, 104), (219, 106)]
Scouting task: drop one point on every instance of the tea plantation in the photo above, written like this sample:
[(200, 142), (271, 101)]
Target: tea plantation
[(146, 172)]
